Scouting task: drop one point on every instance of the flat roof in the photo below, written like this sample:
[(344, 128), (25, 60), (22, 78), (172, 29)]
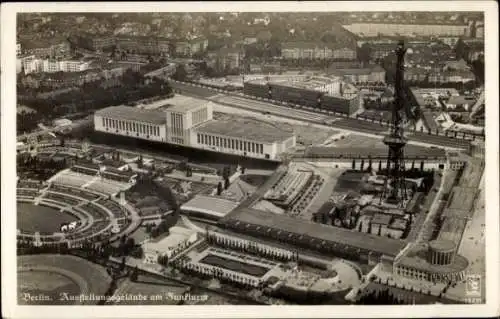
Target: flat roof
[(381, 219), (246, 128), (181, 103), (129, 113), (442, 245), (176, 236), (317, 231), (381, 151), (211, 205)]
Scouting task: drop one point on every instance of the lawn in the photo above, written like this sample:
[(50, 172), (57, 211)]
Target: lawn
[(43, 219)]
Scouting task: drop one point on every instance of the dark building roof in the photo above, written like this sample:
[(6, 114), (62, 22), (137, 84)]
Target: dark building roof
[(312, 231)]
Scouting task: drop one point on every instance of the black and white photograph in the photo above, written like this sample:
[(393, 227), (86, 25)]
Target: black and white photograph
[(184, 155)]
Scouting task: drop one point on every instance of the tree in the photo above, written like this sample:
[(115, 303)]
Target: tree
[(226, 183), (362, 165), (180, 73), (422, 166), (242, 170), (219, 189), (379, 166), (380, 230), (122, 264), (360, 228), (353, 164), (413, 165)]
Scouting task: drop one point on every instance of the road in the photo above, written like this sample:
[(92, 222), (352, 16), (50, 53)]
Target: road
[(238, 100)]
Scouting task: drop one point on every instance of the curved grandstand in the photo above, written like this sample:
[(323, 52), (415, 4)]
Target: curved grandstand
[(84, 194)]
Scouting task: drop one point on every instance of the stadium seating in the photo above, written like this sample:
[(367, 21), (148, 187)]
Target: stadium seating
[(27, 192), (95, 211), (117, 210), (61, 198), (74, 191)]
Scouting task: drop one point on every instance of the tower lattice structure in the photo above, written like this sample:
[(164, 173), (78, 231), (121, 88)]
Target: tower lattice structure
[(395, 187)]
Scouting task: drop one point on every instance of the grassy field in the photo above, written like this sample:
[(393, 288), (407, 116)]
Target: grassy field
[(32, 218)]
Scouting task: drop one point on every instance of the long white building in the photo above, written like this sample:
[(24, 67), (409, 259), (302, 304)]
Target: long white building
[(189, 122)]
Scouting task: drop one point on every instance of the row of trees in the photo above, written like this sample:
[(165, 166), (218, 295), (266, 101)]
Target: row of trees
[(252, 248)]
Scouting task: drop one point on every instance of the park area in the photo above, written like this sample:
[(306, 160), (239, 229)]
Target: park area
[(38, 218), (233, 265)]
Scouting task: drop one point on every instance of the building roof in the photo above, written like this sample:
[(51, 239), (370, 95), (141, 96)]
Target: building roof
[(128, 113), (314, 231), (182, 104), (381, 219), (442, 245), (210, 205), (176, 236), (246, 128), (461, 100)]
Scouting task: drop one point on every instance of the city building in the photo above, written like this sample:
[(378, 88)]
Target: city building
[(460, 103), (327, 93), (208, 207), (470, 49), (47, 48), (369, 74), (143, 45), (441, 77), (190, 47), (407, 28), (317, 50), (247, 137), (189, 122), (226, 59), (18, 49), (457, 161), (179, 238)]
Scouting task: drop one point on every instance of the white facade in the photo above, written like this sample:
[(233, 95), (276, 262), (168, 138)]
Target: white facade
[(241, 146), (180, 122), (137, 129), (64, 66)]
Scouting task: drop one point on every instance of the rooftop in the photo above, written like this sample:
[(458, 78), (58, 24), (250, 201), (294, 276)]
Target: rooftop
[(245, 128), (381, 219), (416, 259), (442, 245), (461, 100), (314, 231), (182, 104), (210, 205), (128, 113)]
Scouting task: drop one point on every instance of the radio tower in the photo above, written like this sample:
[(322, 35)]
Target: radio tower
[(394, 186)]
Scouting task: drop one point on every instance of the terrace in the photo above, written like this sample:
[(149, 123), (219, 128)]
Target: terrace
[(72, 178), (289, 186), (57, 197), (77, 192)]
